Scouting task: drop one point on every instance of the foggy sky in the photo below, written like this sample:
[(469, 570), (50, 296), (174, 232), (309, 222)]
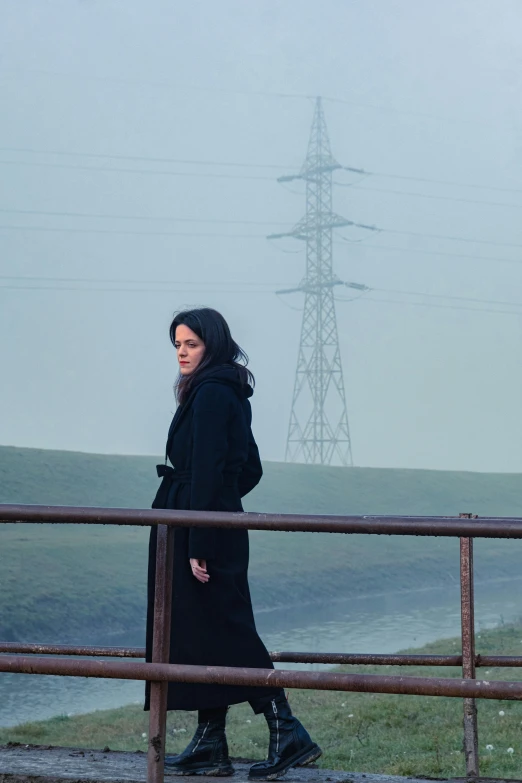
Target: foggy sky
[(428, 90)]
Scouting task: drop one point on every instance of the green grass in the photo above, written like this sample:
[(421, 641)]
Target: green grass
[(402, 735), (61, 582)]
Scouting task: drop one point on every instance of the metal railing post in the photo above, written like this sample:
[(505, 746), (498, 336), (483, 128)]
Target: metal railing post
[(160, 653), (467, 607)]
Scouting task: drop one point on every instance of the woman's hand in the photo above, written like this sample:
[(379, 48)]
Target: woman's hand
[(199, 570)]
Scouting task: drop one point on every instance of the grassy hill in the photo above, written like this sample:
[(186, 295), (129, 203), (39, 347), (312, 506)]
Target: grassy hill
[(390, 734), (62, 582)]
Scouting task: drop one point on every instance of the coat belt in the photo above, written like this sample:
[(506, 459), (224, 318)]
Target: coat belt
[(230, 479)]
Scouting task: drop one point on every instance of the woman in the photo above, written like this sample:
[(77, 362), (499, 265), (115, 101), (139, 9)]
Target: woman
[(216, 463)]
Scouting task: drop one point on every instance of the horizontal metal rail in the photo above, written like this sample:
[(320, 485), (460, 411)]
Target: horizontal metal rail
[(279, 678), (159, 672), (486, 527), (338, 659), (72, 649)]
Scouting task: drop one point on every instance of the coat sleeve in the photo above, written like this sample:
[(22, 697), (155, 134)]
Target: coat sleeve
[(252, 471), (211, 414)]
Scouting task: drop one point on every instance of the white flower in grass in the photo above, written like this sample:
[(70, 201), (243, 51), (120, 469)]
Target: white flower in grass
[(343, 704), (144, 735), (489, 747), (350, 715), (501, 713), (510, 750), (248, 720)]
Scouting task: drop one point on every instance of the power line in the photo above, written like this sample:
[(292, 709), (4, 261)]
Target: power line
[(221, 164), (442, 253), (133, 281), (258, 284), (407, 112), (251, 290), (253, 285), (432, 305), (447, 296), (132, 290), (128, 232), (228, 235), (156, 172), (428, 180), (248, 93), (451, 238), (257, 177), (221, 221), (366, 290), (141, 158), (435, 197), (155, 218), (160, 84)]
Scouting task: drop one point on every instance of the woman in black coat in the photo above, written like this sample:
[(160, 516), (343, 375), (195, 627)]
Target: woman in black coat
[(215, 462)]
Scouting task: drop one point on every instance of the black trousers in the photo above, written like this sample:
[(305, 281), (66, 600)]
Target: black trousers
[(258, 705)]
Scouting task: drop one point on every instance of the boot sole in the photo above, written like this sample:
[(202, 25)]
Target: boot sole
[(315, 753), (301, 759), (210, 771)]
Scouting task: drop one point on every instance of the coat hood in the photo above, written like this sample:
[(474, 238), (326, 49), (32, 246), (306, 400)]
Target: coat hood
[(228, 375)]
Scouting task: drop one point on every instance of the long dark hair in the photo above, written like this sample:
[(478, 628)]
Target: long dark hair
[(220, 348)]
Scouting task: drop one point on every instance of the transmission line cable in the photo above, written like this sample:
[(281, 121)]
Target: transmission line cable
[(136, 281), (130, 232), (248, 93), (163, 290), (225, 164), (156, 172), (429, 180), (450, 238), (447, 296), (442, 253), (158, 218), (142, 158), (174, 288), (435, 197), (437, 296), (433, 305), (255, 284)]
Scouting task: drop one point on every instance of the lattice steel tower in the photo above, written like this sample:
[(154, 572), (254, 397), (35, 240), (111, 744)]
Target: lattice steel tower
[(318, 431)]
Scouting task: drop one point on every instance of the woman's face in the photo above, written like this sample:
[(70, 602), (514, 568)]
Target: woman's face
[(190, 349)]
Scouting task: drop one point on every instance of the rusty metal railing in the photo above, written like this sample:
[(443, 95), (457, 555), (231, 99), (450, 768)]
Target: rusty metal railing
[(160, 672)]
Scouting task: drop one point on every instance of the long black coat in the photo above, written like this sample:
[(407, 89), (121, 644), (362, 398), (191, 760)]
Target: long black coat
[(216, 461)]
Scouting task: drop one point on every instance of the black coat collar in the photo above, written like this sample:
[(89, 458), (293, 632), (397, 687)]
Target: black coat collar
[(212, 374), (179, 415)]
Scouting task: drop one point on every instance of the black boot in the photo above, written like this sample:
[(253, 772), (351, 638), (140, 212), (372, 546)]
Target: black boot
[(290, 744), (206, 754)]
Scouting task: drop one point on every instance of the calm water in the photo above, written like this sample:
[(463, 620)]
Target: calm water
[(375, 624)]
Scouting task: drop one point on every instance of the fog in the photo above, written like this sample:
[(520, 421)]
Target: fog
[(140, 145)]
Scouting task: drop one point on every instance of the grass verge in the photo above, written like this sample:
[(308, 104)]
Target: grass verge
[(87, 580), (401, 735)]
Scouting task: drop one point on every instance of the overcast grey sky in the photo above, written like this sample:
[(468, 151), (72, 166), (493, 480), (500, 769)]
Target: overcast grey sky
[(425, 90)]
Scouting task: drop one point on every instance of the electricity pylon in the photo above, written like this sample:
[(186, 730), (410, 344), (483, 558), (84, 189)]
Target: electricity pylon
[(318, 431)]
